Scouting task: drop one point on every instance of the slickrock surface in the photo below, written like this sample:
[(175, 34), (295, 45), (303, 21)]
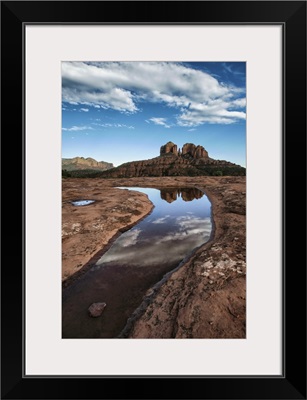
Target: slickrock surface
[(88, 230)]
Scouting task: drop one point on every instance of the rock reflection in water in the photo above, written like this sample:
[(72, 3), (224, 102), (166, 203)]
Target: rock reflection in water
[(188, 194), (136, 261)]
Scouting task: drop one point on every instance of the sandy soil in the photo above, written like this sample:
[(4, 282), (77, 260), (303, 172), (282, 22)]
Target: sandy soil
[(206, 296)]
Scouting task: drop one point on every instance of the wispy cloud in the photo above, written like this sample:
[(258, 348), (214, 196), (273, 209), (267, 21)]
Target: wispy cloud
[(231, 70), (160, 121), (77, 128), (108, 125), (84, 109), (196, 96)]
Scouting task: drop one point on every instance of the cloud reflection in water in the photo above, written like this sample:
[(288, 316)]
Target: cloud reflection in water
[(168, 234)]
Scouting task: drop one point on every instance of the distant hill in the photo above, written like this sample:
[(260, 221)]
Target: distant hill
[(81, 163), (192, 160)]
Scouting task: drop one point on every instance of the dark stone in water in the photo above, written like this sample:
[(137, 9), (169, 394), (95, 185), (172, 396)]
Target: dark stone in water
[(96, 309)]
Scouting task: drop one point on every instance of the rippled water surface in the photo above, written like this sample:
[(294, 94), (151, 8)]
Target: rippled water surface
[(179, 222)]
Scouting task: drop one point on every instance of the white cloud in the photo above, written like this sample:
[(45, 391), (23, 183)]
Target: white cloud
[(160, 121), (196, 118), (117, 99), (240, 103), (217, 111), (77, 128), (108, 125), (197, 96), (84, 109)]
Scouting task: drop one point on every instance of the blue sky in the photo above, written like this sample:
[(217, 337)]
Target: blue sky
[(125, 111)]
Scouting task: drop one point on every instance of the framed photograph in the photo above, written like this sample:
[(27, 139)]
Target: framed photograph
[(162, 150)]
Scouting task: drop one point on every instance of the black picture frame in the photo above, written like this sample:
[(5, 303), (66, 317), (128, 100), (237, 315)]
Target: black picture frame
[(292, 16)]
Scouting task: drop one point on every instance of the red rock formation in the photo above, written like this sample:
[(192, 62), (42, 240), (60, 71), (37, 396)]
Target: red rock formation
[(169, 147), (194, 151), (191, 161)]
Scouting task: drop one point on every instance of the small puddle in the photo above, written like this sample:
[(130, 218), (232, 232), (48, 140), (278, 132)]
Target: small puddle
[(137, 260), (82, 202)]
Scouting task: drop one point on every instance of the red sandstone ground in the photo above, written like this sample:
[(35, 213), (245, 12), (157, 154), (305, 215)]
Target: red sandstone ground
[(206, 296), (87, 230)]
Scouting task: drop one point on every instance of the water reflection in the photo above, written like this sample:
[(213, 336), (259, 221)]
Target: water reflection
[(188, 194), (168, 234), (82, 202), (138, 259)]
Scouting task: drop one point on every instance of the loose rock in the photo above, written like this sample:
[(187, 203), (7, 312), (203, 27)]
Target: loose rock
[(96, 309)]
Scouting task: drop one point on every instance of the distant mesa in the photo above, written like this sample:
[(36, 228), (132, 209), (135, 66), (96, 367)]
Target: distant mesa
[(191, 160), (81, 163)]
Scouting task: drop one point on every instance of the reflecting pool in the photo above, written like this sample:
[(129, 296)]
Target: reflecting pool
[(179, 222), (82, 202)]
